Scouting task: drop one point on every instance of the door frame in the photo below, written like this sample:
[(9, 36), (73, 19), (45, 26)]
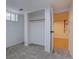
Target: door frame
[(51, 31)]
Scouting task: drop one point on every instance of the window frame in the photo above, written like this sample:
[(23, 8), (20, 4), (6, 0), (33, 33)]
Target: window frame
[(11, 19)]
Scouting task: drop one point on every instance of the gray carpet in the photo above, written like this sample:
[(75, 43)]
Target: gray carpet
[(31, 52)]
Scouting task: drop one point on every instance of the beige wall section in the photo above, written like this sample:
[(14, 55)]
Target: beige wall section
[(71, 31), (59, 27), (59, 30)]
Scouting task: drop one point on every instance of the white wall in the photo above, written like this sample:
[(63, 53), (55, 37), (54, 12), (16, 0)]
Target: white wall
[(37, 32), (71, 31), (15, 31)]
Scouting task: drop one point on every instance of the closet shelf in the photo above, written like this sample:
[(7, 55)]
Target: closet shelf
[(38, 18)]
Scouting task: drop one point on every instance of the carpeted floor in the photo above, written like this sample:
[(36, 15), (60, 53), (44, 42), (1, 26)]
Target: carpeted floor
[(31, 52)]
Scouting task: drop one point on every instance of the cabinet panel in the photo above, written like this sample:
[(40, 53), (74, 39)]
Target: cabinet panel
[(60, 43), (61, 16)]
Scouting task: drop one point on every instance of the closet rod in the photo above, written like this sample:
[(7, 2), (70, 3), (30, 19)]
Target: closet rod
[(38, 20)]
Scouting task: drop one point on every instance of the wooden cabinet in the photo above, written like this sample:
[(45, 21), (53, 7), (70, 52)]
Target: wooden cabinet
[(61, 16), (60, 43)]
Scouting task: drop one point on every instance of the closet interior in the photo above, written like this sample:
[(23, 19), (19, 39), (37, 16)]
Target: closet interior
[(36, 27)]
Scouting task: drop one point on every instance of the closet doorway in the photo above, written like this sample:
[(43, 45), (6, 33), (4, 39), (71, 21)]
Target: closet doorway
[(36, 27)]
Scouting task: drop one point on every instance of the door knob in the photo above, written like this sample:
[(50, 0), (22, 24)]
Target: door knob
[(51, 31)]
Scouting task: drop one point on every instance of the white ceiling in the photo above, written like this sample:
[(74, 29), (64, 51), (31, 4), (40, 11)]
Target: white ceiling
[(29, 5)]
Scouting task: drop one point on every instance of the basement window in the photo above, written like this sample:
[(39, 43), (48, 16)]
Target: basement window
[(11, 16)]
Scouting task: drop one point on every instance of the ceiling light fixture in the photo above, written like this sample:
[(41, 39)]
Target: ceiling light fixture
[(21, 9)]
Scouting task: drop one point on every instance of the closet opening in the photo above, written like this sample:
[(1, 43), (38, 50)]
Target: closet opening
[(36, 28)]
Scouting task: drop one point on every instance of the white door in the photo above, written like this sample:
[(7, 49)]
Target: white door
[(48, 29)]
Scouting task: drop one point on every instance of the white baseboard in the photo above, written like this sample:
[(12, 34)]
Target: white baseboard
[(14, 44)]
